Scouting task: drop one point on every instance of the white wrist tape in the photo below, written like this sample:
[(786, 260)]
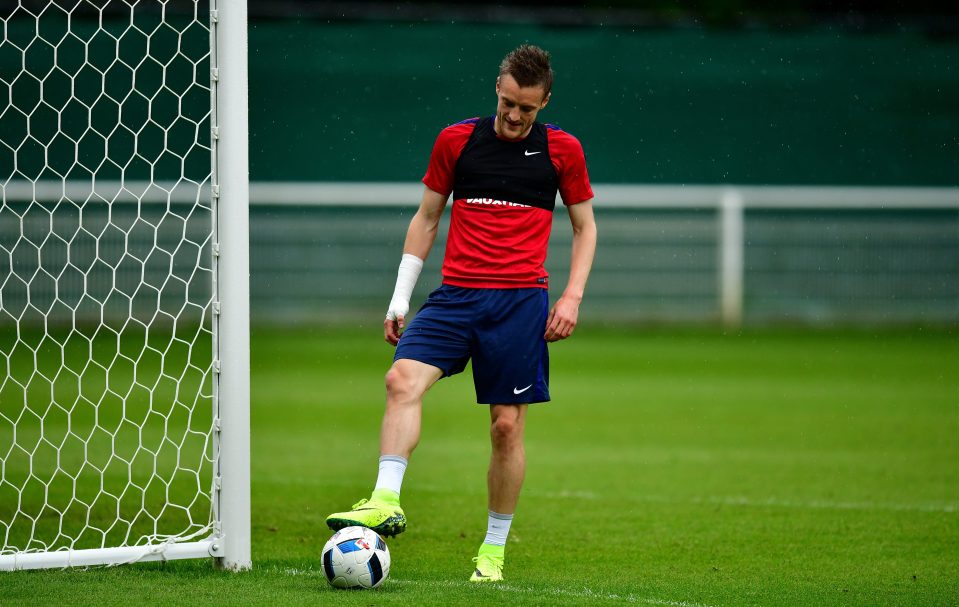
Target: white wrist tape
[(410, 267)]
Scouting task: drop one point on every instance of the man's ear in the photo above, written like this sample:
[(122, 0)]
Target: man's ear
[(545, 100), (497, 85)]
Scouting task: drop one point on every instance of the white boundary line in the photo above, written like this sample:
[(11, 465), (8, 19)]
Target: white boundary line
[(727, 500), (585, 593), (408, 194), (734, 500), (762, 502), (827, 504)]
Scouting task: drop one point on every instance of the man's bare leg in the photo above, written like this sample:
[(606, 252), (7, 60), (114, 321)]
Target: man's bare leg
[(406, 383), (507, 469), (507, 466)]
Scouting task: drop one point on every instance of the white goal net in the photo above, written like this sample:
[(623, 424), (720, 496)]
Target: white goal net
[(109, 443)]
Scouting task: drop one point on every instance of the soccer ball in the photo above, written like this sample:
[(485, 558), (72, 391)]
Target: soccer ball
[(356, 558)]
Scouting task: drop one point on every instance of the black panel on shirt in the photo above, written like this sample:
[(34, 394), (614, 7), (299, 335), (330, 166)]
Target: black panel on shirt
[(512, 171)]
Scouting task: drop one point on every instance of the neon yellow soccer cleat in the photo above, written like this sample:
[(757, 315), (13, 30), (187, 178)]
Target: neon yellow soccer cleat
[(489, 564), (380, 515)]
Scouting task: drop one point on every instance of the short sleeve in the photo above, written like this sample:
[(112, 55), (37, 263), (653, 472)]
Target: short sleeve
[(570, 162), (446, 151)]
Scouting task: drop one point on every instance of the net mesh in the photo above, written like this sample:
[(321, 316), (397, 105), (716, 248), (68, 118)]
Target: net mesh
[(106, 273)]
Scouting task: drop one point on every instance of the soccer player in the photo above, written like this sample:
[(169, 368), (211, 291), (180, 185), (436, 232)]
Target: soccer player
[(503, 172)]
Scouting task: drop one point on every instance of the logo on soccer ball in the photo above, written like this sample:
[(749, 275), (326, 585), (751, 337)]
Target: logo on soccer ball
[(363, 544)]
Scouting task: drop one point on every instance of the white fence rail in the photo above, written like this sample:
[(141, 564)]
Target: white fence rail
[(404, 193), (324, 251)]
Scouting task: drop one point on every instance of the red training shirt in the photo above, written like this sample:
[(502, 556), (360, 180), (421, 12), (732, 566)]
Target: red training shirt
[(504, 192)]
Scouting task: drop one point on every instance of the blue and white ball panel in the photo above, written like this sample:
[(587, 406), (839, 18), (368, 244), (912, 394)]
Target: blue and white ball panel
[(501, 330), (353, 546)]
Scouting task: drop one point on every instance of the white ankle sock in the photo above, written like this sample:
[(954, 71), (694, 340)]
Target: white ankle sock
[(497, 528), (392, 469)]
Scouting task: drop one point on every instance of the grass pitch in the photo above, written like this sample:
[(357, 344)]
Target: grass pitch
[(672, 468)]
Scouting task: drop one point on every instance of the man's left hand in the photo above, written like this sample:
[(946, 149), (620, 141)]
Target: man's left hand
[(562, 319)]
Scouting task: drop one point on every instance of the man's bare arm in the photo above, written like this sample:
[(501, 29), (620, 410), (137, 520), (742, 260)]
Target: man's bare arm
[(563, 317), (419, 240)]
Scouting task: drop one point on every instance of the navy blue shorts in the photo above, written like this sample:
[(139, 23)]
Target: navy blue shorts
[(500, 329)]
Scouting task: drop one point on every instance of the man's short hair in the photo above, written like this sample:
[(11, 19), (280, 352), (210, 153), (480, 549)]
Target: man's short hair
[(529, 65)]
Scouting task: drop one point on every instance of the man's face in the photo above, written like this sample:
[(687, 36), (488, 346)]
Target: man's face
[(517, 107)]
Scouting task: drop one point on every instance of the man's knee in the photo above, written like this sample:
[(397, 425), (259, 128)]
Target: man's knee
[(506, 428), (407, 383), (399, 385)]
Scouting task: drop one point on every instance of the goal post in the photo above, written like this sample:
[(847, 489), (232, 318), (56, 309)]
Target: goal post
[(232, 193), (124, 284)]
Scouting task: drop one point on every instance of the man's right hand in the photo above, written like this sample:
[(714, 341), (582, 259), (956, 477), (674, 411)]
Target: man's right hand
[(393, 328)]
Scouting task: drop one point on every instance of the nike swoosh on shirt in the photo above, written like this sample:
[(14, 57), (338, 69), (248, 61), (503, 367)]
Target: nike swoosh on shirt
[(528, 153), (518, 391)]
